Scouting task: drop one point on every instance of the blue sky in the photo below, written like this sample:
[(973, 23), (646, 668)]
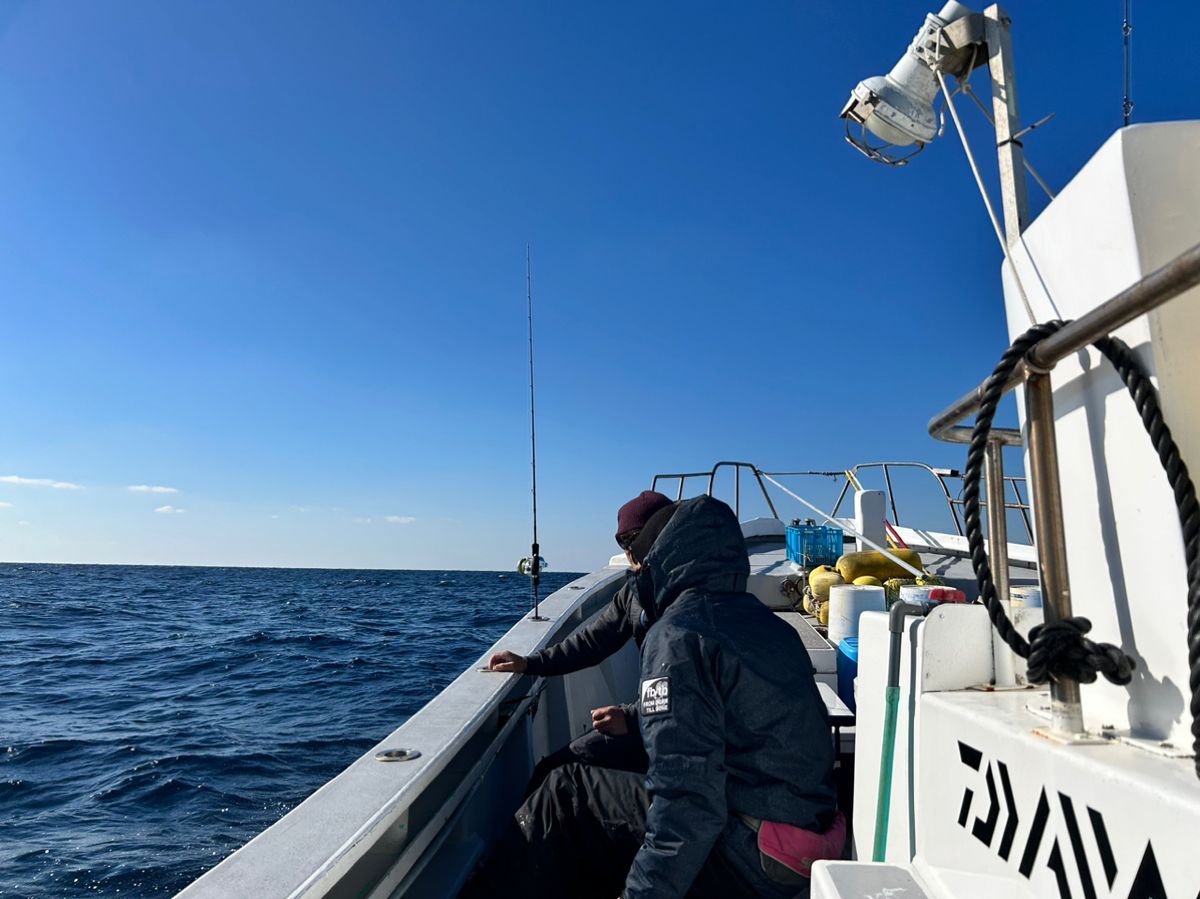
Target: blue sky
[(271, 256)]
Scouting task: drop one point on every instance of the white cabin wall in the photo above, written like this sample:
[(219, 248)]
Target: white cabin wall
[(1133, 207)]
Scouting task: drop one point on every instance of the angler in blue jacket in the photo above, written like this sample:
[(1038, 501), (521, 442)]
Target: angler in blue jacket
[(736, 735)]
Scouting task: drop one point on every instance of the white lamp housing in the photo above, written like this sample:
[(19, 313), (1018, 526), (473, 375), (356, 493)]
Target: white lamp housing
[(898, 107)]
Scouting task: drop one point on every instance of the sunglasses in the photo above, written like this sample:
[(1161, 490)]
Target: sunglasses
[(625, 541)]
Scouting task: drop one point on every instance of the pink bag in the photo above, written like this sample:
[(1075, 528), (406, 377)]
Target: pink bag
[(786, 852)]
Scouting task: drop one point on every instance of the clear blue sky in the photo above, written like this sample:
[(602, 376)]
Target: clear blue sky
[(270, 256)]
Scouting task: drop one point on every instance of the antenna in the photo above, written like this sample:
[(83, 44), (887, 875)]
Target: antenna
[(1126, 34), (535, 560)]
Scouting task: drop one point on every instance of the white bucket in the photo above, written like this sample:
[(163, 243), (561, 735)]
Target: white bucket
[(846, 603)]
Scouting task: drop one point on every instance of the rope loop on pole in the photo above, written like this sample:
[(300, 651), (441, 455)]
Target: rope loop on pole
[(1061, 649)]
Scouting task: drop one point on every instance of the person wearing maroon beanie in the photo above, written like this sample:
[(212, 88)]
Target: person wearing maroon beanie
[(739, 759), (616, 741), (632, 516)]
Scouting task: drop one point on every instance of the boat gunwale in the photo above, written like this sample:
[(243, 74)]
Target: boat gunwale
[(269, 861)]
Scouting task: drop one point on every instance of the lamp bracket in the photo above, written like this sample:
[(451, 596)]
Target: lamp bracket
[(957, 48)]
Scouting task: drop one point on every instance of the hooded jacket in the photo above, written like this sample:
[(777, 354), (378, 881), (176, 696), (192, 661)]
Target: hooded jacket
[(730, 713)]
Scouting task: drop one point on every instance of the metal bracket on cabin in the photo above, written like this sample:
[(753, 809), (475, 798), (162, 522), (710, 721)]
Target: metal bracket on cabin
[(1002, 688), (1161, 748), (1061, 737)]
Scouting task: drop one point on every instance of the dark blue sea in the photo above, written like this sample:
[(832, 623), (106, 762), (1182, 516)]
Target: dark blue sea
[(153, 719)]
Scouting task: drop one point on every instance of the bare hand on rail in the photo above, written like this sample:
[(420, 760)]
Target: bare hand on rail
[(610, 720), (508, 661)]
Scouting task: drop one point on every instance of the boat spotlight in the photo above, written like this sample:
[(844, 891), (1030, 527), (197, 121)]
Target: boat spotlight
[(898, 107)]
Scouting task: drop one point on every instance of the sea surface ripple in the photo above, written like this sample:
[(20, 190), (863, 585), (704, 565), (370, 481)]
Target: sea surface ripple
[(153, 719)]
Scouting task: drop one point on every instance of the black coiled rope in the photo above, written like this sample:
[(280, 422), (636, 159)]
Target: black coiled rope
[(1061, 649)]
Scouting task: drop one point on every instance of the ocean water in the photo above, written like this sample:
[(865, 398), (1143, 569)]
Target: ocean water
[(153, 719)]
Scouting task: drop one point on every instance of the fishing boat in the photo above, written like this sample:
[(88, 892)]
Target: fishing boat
[(981, 757)]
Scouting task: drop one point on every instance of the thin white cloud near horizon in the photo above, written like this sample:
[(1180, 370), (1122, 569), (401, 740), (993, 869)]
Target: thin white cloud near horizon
[(169, 510), (38, 482), (5, 505), (387, 519), (151, 488)]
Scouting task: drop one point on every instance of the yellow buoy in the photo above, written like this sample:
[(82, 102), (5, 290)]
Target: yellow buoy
[(808, 603), (820, 579), (876, 564)]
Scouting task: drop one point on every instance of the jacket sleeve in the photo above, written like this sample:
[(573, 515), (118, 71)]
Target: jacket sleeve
[(590, 645), (683, 729), (631, 718)]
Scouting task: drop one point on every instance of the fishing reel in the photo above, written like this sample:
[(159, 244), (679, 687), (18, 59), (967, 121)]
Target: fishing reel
[(532, 566)]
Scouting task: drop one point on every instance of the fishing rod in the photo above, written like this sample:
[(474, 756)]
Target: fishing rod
[(534, 569)]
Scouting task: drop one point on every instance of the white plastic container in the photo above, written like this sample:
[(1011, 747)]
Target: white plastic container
[(1010, 668), (846, 603), (917, 592), (1029, 597)]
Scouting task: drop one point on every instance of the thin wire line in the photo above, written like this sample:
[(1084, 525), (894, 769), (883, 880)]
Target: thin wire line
[(962, 135), (987, 202), (842, 524)]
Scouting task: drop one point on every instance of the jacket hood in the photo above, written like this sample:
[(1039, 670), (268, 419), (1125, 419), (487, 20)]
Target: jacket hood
[(701, 548)]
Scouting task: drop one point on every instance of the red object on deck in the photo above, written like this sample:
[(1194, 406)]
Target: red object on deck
[(946, 594)]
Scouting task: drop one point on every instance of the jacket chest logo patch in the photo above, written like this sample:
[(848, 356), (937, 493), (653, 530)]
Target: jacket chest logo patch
[(656, 696)]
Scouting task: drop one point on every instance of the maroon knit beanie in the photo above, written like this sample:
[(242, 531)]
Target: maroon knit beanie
[(634, 514)]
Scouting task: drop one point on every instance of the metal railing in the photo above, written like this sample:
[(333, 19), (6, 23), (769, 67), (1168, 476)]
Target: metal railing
[(940, 475), (953, 502), (737, 467), (1161, 285)]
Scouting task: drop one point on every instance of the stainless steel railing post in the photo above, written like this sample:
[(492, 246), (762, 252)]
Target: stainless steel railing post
[(1065, 707), (997, 516)]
